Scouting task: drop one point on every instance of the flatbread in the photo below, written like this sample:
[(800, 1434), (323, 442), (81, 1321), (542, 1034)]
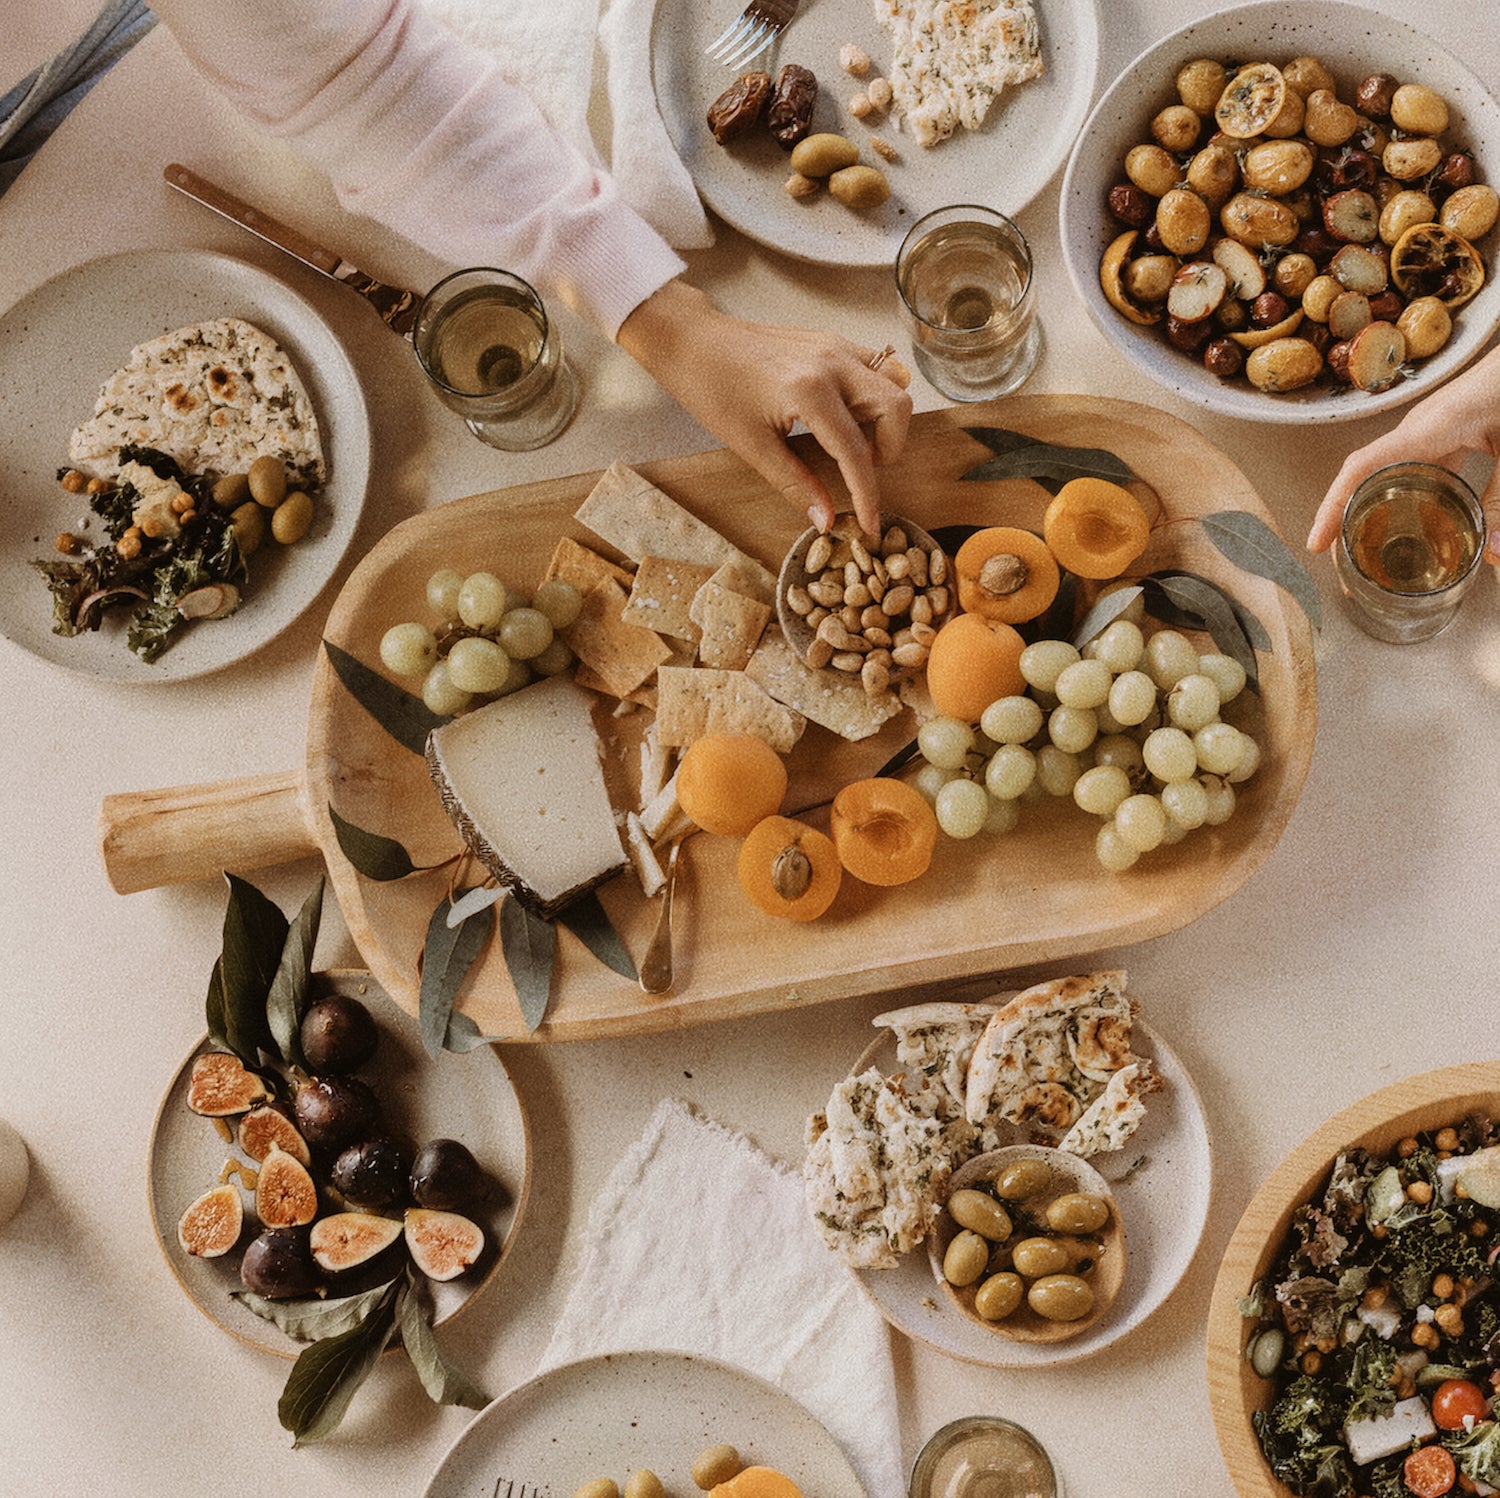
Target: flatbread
[(581, 565), (838, 702), (936, 1041), (694, 701), (215, 396)]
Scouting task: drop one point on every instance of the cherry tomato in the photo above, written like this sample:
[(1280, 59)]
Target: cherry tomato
[(1429, 1472), (1455, 1398)]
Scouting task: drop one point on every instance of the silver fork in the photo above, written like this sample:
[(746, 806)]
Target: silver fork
[(756, 27)]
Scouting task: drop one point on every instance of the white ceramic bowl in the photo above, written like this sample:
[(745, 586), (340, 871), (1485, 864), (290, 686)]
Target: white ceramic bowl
[(1353, 42)]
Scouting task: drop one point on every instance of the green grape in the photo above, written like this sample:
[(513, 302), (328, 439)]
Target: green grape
[(1173, 833), (930, 779), (1101, 789), (525, 632), (962, 808), (1083, 684), (554, 660), (1132, 698), (1072, 729), (1011, 770), (1219, 747), (1043, 661), (1220, 800), (1119, 646), (442, 593), (481, 601), (945, 742), (1193, 702), (1248, 765), (440, 694), (1003, 817), (559, 600), (1122, 750), (521, 675), (1227, 674), (1057, 771), (1169, 657), (1185, 803), (408, 649), (1012, 720), (477, 664), (1170, 754), (1112, 851), (1140, 820)]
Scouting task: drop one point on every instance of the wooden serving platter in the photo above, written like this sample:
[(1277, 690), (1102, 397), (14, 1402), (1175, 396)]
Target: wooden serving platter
[(985, 906)]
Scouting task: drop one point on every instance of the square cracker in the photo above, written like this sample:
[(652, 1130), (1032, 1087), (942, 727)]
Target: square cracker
[(731, 625), (580, 565), (692, 702), (620, 657), (836, 701), (661, 597)]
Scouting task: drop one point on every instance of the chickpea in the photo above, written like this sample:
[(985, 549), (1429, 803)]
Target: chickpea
[(1407, 1148), (1311, 1361), (1420, 1192), (73, 481), (1449, 1320), (1425, 1335), (67, 543), (1442, 1286), (129, 545), (1446, 1139)]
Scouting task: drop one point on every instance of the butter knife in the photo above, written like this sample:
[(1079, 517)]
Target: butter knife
[(396, 306)]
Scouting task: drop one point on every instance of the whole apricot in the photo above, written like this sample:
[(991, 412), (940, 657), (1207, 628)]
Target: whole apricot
[(884, 830), (789, 869), (974, 662), (727, 782)]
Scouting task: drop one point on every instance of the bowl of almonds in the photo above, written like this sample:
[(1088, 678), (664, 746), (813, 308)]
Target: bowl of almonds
[(865, 606)]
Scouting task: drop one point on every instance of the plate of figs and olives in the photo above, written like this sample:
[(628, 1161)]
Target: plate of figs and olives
[(292, 1184)]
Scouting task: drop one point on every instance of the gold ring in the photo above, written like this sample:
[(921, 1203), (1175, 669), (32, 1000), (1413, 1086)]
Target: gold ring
[(876, 360)]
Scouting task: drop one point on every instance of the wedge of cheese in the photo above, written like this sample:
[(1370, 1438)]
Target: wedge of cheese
[(522, 780)]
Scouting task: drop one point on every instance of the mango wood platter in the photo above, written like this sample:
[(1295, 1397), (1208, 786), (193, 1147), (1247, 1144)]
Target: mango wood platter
[(1378, 1122), (1035, 895)]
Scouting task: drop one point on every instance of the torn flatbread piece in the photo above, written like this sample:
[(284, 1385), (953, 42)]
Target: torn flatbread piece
[(837, 702), (582, 566), (935, 1041)]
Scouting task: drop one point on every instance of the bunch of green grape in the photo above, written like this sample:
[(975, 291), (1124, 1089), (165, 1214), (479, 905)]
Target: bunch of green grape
[(490, 639), (1130, 727)]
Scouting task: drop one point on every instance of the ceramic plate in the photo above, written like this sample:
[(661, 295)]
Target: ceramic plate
[(1004, 165), (58, 345), (1163, 1204), (609, 1416), (469, 1097)]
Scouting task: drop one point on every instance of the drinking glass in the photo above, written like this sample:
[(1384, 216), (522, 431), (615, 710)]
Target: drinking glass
[(1408, 550), (484, 340), (969, 300)]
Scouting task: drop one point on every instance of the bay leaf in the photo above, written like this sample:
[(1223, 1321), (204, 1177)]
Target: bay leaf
[(1045, 461), (1104, 613), (444, 1382), (1255, 631), (287, 1000), (530, 947), (463, 1034), (314, 1320), (1001, 439), (447, 955), (328, 1373), (588, 920), (1250, 543), (1201, 604), (402, 714), (255, 932), (371, 853), (213, 1006), (472, 901)]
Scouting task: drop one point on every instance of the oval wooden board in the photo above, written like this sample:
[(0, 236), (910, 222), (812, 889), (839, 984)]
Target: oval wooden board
[(1035, 896), (1377, 1122)]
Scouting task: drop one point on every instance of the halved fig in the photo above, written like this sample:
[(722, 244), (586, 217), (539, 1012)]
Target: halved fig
[(1429, 260), (1197, 289), (1247, 276), (1376, 354), (1254, 338), (285, 1193), (345, 1240), (211, 1226), (1251, 100), (1352, 216), (220, 1085), (1112, 284), (267, 1125), (442, 1244), (1357, 268)]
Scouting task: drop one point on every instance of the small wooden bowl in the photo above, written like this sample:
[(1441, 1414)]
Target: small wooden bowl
[(799, 634), (1107, 1246)]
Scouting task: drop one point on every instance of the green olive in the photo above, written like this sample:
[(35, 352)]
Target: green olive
[(966, 1258), (999, 1295), (715, 1465), (231, 491), (1035, 1257), (249, 525), (291, 518), (823, 154), (267, 479), (1022, 1178), (1061, 1297), (600, 1487), (644, 1484), (859, 187), (1077, 1212), (979, 1211)]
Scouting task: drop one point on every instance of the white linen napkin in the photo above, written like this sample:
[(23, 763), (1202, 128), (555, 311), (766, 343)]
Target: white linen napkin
[(549, 49), (699, 1242)]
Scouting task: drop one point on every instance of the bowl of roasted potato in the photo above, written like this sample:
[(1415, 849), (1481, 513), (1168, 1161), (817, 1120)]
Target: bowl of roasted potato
[(1287, 212)]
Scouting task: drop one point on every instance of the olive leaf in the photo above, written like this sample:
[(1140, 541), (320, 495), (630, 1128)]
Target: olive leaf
[(403, 715), (463, 1034), (444, 1383), (329, 1372), (472, 901), (213, 1006), (530, 947), (1251, 544), (314, 1320), (1104, 613), (287, 999), (588, 920), (370, 853), (1254, 630), (447, 955), (1180, 598), (1020, 457), (255, 933)]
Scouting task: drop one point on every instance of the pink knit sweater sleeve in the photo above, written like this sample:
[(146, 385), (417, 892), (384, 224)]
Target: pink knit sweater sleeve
[(418, 131)]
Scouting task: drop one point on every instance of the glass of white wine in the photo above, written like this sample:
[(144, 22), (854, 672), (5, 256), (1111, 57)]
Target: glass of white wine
[(484, 340)]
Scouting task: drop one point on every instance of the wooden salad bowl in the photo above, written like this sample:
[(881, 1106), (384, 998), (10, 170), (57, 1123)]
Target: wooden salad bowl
[(1037, 895), (1429, 1100)]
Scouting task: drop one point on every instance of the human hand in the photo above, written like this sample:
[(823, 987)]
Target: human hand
[(1445, 427), (749, 383)]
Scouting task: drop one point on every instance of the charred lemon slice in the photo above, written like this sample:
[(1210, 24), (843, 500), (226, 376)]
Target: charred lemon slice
[(1429, 260), (1251, 100)]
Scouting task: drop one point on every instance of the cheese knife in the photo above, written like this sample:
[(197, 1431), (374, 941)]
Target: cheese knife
[(396, 306)]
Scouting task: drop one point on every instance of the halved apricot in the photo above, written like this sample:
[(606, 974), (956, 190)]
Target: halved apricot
[(728, 781), (789, 869), (972, 663), (884, 830), (1095, 528), (1006, 574)]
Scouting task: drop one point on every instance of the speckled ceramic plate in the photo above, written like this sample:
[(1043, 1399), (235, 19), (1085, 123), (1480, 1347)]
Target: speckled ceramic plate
[(608, 1416), (58, 345), (468, 1097)]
